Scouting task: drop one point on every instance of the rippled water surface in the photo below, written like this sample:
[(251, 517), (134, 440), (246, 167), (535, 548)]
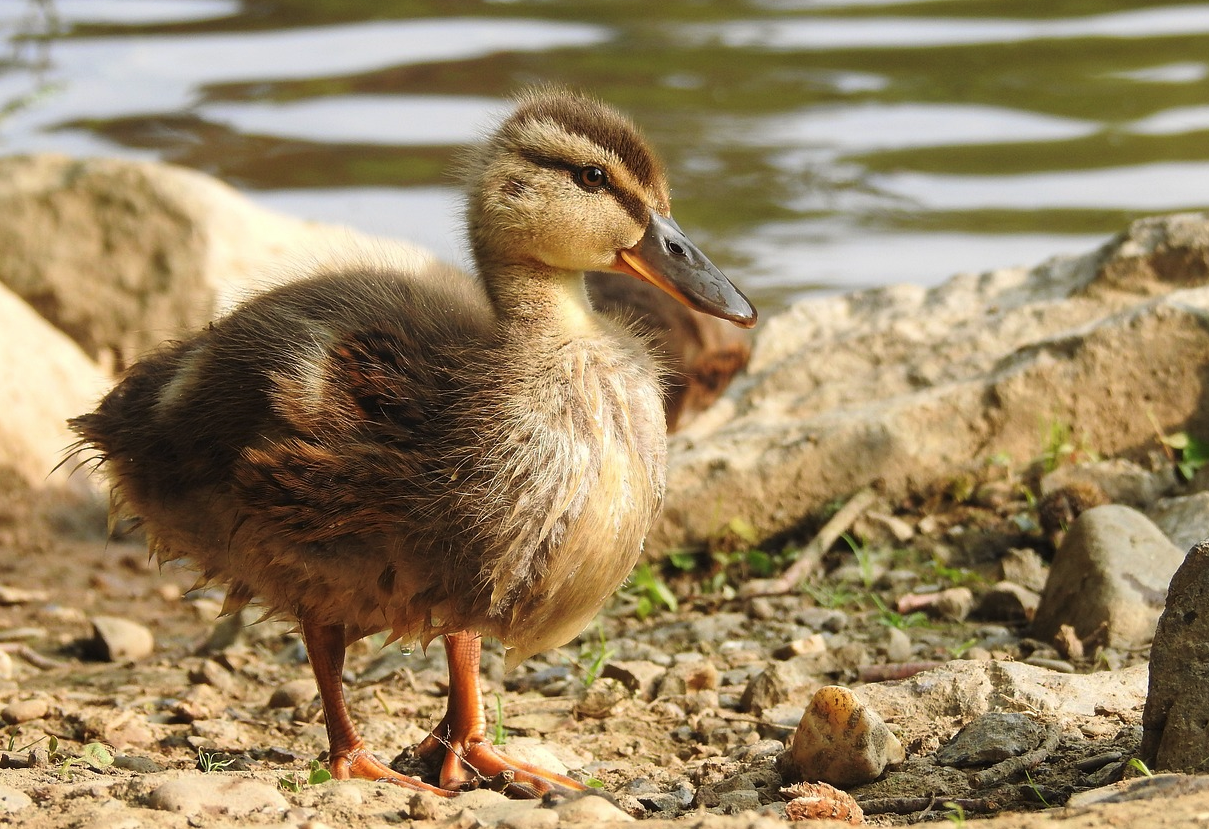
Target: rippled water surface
[(814, 144)]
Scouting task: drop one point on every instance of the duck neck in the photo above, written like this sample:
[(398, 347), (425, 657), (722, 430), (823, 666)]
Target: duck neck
[(539, 302)]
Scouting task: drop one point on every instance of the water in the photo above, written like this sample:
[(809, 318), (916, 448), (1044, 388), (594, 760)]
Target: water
[(815, 145)]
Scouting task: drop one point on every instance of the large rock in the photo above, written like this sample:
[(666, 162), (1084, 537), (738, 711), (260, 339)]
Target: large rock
[(1111, 571), (1176, 721), (939, 701), (905, 385), (122, 255), (44, 379)]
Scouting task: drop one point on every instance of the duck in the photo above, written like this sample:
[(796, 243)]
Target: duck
[(433, 455)]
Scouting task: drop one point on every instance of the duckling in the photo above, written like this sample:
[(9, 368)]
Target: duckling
[(375, 450)]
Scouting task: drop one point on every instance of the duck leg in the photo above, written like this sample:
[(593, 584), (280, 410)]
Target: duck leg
[(348, 756), (459, 742)]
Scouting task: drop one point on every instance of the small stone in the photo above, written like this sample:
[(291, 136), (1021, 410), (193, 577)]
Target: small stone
[(1025, 567), (600, 698), (25, 710), (427, 806), (640, 676), (1009, 602), (792, 681), (201, 795), (293, 693), (815, 643), (212, 673), (136, 764), (119, 640), (841, 741), (13, 800), (688, 677), (589, 809), (898, 645), (6, 666), (1112, 569), (990, 739)]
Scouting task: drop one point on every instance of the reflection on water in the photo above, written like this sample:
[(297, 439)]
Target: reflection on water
[(814, 144)]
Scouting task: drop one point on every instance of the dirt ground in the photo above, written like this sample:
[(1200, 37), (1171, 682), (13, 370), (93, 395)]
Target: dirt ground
[(218, 701)]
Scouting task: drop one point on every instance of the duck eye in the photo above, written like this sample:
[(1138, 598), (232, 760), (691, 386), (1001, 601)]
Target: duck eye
[(591, 177)]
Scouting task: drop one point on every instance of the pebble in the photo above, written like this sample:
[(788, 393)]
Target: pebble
[(201, 795), (210, 672), (990, 739), (1009, 602), (25, 710), (136, 764), (781, 682), (293, 693), (820, 801), (898, 645), (1025, 567), (1185, 520), (841, 741), (1112, 569), (688, 677), (806, 646), (6, 666), (119, 640), (13, 800), (639, 675), (589, 809)]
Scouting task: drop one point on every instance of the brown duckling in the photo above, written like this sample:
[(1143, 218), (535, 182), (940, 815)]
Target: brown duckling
[(373, 450)]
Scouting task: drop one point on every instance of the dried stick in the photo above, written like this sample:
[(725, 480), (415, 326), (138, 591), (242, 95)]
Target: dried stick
[(1012, 766), (813, 553)]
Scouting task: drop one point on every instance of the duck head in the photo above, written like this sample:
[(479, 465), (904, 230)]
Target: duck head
[(567, 185)]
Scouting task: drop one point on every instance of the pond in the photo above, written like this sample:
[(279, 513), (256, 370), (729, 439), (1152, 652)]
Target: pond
[(814, 145)]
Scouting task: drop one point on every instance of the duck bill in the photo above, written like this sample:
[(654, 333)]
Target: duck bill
[(666, 258)]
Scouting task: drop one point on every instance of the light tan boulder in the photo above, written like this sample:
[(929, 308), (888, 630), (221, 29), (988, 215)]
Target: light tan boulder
[(904, 385)]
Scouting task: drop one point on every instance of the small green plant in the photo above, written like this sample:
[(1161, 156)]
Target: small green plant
[(864, 560), (1192, 453), (501, 735), (648, 592), (1059, 446), (832, 597), (956, 576), (956, 814), (894, 619), (596, 657), (316, 775), (1036, 789), (213, 761), (1140, 766), (94, 755), (957, 651), (593, 783)]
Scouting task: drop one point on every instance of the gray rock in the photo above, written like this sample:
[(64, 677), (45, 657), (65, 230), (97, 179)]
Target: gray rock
[(1184, 520), (640, 676), (840, 389), (898, 645), (1112, 569), (204, 795), (990, 739), (119, 640), (1175, 734)]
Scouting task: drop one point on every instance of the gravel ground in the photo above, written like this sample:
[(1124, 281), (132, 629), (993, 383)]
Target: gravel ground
[(679, 712)]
